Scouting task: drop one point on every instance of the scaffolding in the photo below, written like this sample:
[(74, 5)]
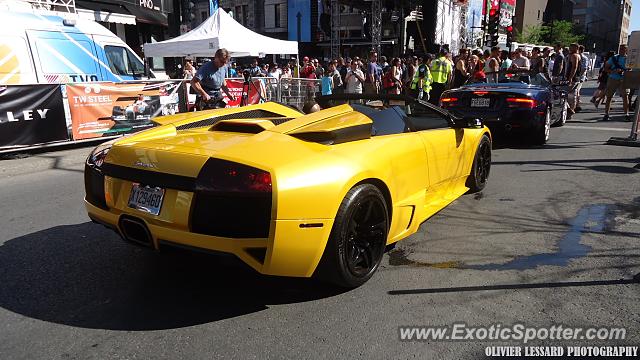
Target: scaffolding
[(64, 6), (335, 29), (375, 6), (376, 25)]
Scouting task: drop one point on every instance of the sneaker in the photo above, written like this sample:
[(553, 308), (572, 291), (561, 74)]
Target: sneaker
[(627, 118), (606, 117)]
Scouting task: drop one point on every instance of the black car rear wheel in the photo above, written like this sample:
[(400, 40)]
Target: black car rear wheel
[(564, 114), (358, 238), (544, 130), (477, 180)]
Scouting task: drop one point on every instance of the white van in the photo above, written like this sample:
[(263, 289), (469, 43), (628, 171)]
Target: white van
[(49, 49)]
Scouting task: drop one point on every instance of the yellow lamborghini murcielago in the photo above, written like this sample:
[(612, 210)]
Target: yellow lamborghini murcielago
[(288, 193)]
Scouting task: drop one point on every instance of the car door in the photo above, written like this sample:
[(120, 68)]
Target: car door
[(444, 147), (556, 96)]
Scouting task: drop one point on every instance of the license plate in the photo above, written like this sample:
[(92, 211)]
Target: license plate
[(146, 198), (480, 102)]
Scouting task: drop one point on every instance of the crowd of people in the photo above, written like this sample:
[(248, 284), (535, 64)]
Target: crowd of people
[(427, 76)]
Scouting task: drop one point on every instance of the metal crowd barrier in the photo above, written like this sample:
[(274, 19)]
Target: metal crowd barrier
[(298, 91)]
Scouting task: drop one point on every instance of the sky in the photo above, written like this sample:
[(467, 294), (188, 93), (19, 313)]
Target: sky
[(635, 18)]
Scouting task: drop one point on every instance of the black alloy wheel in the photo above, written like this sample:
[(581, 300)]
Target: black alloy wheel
[(544, 130), (481, 168), (358, 238), (564, 114)]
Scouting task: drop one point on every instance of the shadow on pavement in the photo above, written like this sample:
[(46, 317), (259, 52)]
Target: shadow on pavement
[(579, 164), (84, 275), (547, 285)]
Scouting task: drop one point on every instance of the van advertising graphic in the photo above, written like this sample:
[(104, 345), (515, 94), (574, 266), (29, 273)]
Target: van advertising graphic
[(31, 114), (104, 109), (15, 64)]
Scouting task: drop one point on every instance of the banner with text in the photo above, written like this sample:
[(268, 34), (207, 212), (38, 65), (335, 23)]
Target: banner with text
[(253, 89), (31, 114), (105, 109)]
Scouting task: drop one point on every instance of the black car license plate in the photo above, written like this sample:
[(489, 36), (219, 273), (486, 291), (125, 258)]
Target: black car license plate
[(480, 102)]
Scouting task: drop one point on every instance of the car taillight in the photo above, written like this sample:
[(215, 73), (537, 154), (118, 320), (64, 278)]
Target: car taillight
[(448, 101), (222, 176), (521, 103)]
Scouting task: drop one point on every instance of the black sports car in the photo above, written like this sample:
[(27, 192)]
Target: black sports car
[(516, 104)]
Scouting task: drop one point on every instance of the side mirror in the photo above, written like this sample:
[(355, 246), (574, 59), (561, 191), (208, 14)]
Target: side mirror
[(466, 123)]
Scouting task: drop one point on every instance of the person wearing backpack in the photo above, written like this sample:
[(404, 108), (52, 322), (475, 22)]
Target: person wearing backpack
[(616, 67), (582, 73)]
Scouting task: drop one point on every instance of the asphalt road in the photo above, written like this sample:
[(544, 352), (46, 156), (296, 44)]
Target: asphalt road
[(554, 238)]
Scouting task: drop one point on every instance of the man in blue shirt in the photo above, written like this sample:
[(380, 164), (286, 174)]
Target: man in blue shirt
[(209, 78), (255, 69), (615, 67), (233, 72)]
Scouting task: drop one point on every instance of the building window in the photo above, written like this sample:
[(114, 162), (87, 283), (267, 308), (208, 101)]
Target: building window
[(238, 14), (276, 14), (245, 13), (538, 14)]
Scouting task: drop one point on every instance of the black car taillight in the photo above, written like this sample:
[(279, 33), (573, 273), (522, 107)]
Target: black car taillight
[(448, 101), (526, 103), (232, 200)]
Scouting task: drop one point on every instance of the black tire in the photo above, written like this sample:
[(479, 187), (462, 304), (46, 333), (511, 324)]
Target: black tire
[(481, 168), (544, 130), (357, 240)]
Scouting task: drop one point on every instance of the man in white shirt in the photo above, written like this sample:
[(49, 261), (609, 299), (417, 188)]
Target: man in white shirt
[(354, 79), (520, 62)]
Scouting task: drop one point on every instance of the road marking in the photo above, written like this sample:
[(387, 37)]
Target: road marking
[(595, 128)]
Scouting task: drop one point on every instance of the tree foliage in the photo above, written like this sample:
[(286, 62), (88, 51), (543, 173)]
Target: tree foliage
[(533, 34), (561, 31)]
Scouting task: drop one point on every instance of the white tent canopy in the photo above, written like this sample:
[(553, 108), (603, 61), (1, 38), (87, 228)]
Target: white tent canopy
[(220, 31)]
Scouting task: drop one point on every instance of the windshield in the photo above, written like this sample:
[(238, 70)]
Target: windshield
[(510, 76), (391, 114)]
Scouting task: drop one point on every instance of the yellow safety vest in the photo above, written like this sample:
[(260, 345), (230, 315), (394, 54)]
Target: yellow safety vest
[(426, 81), (440, 70)]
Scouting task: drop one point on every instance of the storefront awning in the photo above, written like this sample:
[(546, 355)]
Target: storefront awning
[(106, 16), (141, 14), (148, 16)]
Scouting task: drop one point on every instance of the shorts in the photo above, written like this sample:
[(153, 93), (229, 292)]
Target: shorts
[(613, 85)]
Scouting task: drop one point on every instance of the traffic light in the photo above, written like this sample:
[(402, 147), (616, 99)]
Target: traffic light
[(493, 27), (509, 36)]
